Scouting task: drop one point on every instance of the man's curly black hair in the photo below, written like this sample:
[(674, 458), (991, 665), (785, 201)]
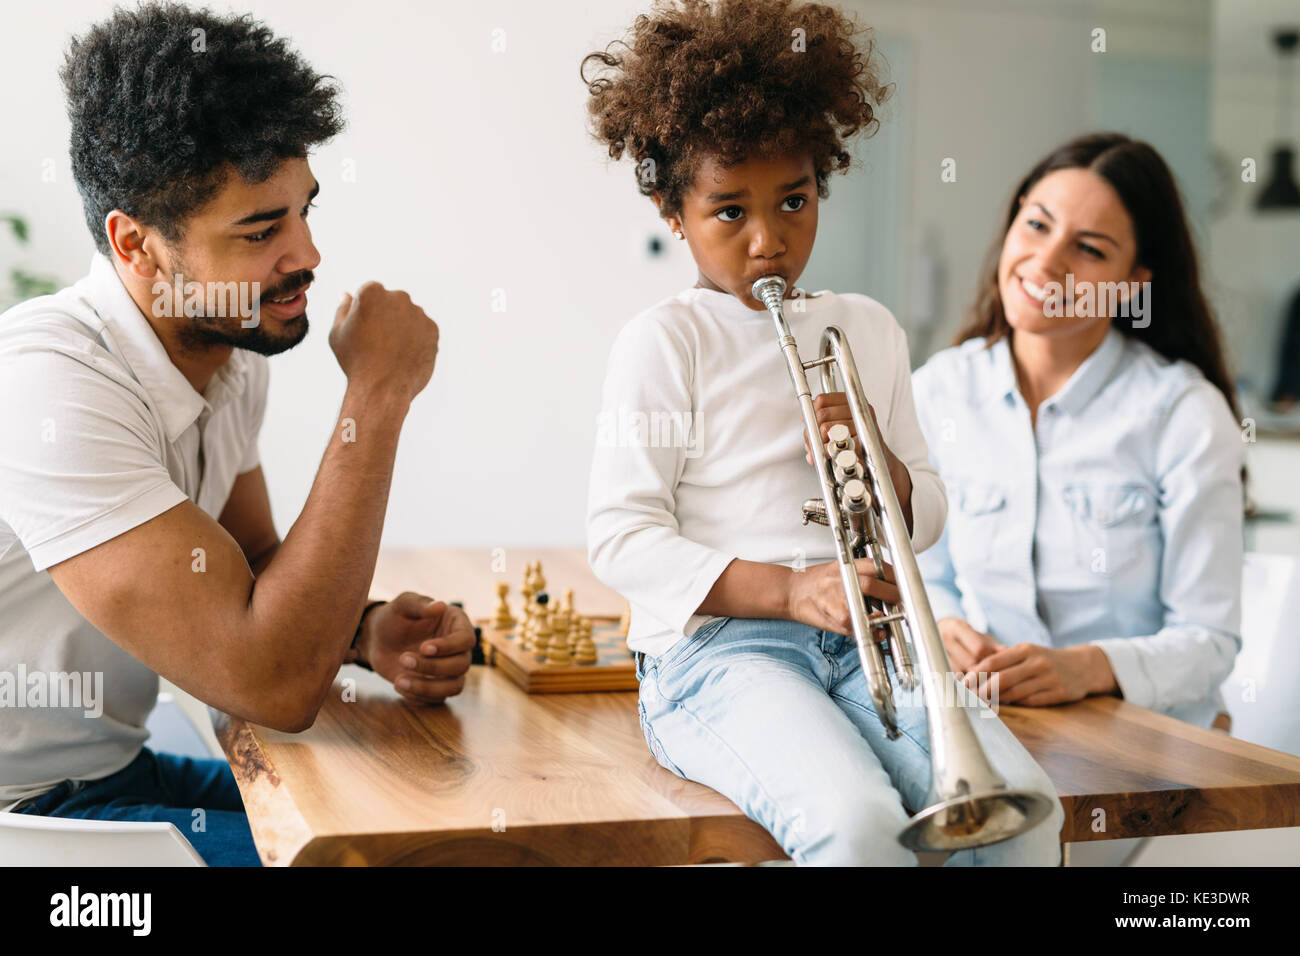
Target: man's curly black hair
[(164, 100), (732, 80)]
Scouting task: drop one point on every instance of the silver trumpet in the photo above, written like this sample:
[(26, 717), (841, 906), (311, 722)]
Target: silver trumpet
[(969, 804)]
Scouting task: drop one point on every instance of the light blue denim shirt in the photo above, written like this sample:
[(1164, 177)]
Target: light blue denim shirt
[(1115, 520)]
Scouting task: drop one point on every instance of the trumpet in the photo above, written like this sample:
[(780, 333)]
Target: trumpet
[(969, 803)]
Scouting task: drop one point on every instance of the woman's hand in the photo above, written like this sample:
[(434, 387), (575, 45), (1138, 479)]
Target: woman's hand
[(964, 644), (816, 596), (1034, 675)]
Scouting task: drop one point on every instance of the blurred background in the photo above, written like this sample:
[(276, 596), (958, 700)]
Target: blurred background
[(467, 177)]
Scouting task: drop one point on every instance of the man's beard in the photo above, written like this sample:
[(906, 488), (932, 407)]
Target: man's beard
[(200, 333)]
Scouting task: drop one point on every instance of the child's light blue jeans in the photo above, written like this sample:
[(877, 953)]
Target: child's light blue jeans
[(776, 716)]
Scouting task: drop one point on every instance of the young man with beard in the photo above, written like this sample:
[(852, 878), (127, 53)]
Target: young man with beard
[(135, 531)]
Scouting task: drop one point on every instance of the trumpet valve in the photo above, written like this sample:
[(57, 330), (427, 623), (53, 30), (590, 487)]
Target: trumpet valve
[(854, 496), (838, 438), (814, 510), (847, 466)]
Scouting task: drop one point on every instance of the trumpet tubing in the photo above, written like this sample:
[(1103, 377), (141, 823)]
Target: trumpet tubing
[(969, 803)]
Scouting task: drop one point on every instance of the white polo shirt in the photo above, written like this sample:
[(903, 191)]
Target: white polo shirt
[(99, 433)]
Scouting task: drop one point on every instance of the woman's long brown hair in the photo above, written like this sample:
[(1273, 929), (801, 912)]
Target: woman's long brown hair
[(1181, 324)]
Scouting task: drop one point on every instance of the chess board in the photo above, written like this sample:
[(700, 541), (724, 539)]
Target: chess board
[(615, 668)]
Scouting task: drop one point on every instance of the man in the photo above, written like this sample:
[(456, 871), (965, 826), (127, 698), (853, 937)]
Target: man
[(135, 531)]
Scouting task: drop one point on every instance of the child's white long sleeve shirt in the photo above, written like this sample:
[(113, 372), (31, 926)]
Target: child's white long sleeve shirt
[(699, 454)]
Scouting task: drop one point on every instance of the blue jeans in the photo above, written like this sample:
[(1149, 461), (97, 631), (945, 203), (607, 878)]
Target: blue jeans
[(164, 788), (776, 716)]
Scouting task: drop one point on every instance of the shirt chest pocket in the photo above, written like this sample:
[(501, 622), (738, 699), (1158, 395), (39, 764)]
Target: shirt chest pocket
[(1115, 526), (981, 510)]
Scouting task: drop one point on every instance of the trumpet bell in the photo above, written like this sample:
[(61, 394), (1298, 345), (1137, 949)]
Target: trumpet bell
[(966, 821)]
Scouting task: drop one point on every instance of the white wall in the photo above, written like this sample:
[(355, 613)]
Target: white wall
[(1254, 260), (474, 172)]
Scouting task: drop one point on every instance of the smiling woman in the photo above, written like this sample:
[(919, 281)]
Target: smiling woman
[(1090, 446)]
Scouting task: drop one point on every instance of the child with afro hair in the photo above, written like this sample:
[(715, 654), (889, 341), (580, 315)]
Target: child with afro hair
[(735, 114)]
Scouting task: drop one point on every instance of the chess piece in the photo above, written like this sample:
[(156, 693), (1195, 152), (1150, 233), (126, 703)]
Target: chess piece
[(585, 648), (539, 580), (525, 631), (568, 600), (559, 629), (529, 637), (504, 620), (527, 589), (557, 651), (625, 623), (542, 633)]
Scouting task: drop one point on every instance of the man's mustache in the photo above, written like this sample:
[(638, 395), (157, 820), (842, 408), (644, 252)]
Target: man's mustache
[(291, 286)]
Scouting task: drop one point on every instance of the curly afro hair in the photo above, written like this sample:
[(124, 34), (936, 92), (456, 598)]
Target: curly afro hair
[(732, 80), (164, 99)]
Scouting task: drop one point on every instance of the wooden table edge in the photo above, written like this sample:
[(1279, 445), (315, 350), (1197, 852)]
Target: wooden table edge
[(279, 831)]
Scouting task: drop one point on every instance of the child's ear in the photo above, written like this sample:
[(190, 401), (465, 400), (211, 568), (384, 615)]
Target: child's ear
[(674, 223)]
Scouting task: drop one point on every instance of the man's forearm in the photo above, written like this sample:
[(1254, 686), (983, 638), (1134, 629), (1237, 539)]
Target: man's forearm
[(749, 589), (314, 584)]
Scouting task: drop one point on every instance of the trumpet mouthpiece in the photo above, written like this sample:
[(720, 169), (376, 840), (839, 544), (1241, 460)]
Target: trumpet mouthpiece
[(769, 290)]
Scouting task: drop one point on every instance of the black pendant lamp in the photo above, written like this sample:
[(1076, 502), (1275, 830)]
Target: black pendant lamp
[(1281, 192)]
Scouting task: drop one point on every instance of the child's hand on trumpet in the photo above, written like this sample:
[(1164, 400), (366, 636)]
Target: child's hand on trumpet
[(832, 408), (815, 596)]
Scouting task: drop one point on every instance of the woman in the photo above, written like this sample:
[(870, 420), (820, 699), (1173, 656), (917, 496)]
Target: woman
[(1086, 431)]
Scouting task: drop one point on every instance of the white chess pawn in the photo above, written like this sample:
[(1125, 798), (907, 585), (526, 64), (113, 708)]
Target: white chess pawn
[(585, 648), (504, 620), (541, 641), (557, 652)]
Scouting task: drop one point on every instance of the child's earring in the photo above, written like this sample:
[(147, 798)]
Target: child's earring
[(678, 234)]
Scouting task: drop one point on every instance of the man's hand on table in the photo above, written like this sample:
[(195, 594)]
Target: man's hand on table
[(423, 646)]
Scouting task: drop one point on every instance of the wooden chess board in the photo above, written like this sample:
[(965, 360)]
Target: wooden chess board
[(615, 668)]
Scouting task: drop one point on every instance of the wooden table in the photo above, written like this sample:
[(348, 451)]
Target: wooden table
[(497, 776)]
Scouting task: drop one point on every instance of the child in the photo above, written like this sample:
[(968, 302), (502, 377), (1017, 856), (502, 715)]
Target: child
[(736, 114)]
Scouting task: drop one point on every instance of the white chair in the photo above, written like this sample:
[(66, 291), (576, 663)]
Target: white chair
[(1262, 690), (27, 840)]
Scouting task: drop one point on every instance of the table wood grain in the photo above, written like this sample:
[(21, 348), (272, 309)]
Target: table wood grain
[(497, 776)]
